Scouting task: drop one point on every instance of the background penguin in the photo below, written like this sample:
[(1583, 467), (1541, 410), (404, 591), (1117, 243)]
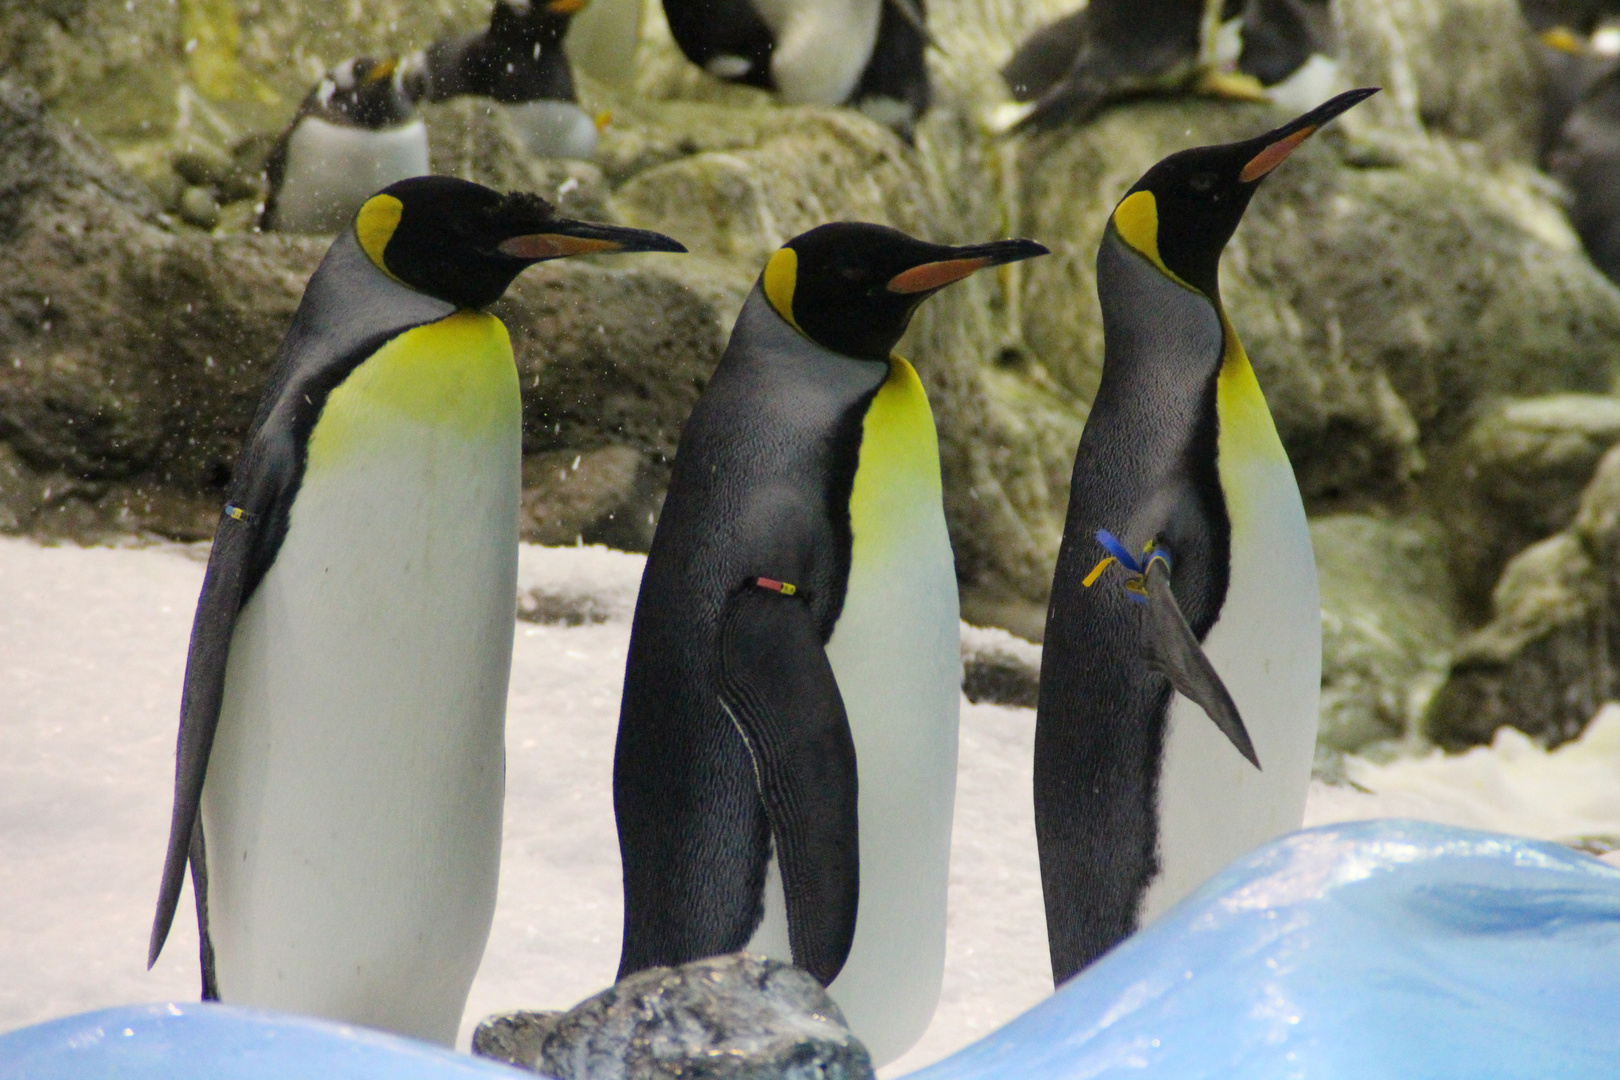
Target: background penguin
[(1138, 796), (356, 133), (341, 727), (1113, 49), (1586, 158), (797, 624), (865, 53), (1290, 47), (519, 61)]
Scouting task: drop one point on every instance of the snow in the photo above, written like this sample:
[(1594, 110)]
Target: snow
[(92, 652)]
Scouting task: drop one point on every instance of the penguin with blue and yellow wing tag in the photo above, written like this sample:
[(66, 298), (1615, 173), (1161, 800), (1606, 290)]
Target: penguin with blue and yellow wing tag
[(1185, 589), (786, 761), (340, 769)]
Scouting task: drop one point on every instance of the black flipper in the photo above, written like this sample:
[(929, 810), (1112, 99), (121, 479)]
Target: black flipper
[(1172, 650), (199, 884), (777, 685)]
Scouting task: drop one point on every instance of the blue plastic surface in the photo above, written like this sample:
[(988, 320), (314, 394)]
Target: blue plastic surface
[(196, 1041), (1376, 949)]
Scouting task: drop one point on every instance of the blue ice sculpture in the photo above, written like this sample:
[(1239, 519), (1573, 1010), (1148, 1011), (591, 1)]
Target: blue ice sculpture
[(200, 1041), (1378, 949)]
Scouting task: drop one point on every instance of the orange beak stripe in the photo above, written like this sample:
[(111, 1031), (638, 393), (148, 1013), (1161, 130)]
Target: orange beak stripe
[(565, 7), (554, 246), (1273, 155), (934, 275)]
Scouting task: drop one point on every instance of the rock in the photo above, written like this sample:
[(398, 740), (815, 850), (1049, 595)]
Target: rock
[(1436, 951), (515, 1038), (999, 668), (132, 355), (197, 207), (739, 1016), (610, 496), (1388, 625), (1516, 478), (1550, 656)]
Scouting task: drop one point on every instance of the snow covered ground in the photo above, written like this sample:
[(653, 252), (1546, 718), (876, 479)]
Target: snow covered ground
[(92, 650)]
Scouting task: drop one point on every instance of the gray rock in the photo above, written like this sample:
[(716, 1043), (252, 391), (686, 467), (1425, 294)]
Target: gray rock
[(999, 668), (609, 496), (1388, 625), (1550, 656), (132, 354), (1517, 478), (740, 1017)]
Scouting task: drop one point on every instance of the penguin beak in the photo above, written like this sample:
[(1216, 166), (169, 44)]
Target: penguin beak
[(1286, 139), (930, 276), (565, 7), (564, 238)]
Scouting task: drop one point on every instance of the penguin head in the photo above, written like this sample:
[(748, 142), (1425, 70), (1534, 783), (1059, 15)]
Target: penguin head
[(852, 287), (362, 92), (464, 243), (1183, 211), (532, 22)]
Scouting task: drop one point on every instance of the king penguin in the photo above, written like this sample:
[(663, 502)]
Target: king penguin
[(355, 133), (1185, 589), (340, 769), (868, 54), (518, 60), (786, 760)]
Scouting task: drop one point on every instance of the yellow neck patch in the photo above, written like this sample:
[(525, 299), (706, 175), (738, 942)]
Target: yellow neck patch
[(1136, 219), (456, 375), (374, 226), (1247, 432), (781, 275), (897, 483)]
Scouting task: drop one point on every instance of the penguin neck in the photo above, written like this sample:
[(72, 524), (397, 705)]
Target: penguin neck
[(1162, 341)]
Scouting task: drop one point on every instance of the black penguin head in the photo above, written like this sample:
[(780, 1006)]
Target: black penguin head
[(532, 22), (1183, 211), (361, 92), (852, 287), (465, 243)]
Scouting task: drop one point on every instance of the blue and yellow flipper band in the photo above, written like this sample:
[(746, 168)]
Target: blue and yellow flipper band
[(1136, 583), (236, 513)]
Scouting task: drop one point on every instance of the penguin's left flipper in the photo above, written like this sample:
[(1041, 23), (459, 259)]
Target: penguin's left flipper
[(1173, 651), (779, 688)]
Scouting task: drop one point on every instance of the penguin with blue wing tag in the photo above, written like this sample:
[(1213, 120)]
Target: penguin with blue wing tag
[(340, 768), (786, 760), (1185, 589), (354, 134)]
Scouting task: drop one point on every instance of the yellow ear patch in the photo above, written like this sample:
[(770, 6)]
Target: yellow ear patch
[(1136, 219), (781, 275), (374, 226)]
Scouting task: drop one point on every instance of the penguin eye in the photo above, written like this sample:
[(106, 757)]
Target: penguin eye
[(1202, 182)]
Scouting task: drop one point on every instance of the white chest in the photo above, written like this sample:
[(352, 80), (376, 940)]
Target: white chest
[(332, 169), (352, 807), (554, 129), (821, 47)]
